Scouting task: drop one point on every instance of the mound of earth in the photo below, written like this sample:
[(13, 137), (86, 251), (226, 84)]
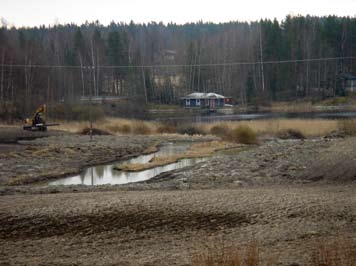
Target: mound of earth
[(336, 163), (94, 131)]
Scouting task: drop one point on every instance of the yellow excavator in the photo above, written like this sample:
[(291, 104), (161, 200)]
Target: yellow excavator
[(38, 121)]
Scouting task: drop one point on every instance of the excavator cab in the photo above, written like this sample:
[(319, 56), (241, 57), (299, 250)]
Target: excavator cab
[(38, 121)]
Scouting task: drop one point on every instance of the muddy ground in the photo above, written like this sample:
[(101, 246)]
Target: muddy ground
[(288, 195), (53, 154)]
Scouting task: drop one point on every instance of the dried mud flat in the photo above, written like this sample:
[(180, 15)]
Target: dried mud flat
[(166, 227), (288, 195)]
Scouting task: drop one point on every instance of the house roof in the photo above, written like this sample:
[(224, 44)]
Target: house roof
[(202, 95)]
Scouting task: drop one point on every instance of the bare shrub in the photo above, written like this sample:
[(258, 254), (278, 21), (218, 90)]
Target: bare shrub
[(243, 134), (290, 134), (190, 129)]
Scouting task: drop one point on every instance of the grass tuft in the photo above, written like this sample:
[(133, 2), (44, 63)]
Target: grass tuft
[(243, 134)]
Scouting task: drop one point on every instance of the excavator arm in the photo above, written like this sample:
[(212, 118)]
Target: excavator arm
[(40, 111)]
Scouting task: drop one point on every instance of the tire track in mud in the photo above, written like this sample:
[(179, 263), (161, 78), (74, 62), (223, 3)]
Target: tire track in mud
[(13, 227)]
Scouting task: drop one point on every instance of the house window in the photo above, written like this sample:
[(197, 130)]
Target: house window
[(187, 102), (198, 102)]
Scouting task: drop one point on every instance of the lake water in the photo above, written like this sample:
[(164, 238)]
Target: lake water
[(213, 117)]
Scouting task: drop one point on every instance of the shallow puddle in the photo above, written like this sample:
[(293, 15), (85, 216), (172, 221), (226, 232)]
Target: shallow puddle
[(106, 175)]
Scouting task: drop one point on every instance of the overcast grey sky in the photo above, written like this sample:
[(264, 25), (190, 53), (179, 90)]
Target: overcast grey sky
[(37, 12)]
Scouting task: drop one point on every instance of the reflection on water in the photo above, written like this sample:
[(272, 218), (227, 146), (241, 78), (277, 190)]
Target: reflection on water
[(167, 149), (105, 174), (101, 175)]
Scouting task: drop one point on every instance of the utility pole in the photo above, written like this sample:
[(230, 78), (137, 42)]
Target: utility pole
[(261, 55), (91, 91)]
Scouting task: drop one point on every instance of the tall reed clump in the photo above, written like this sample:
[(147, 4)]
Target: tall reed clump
[(243, 134), (239, 134)]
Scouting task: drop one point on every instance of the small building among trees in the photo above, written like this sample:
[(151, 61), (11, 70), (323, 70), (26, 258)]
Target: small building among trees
[(349, 83), (211, 101)]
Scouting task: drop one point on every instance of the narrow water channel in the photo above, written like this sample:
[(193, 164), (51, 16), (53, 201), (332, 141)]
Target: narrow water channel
[(106, 175)]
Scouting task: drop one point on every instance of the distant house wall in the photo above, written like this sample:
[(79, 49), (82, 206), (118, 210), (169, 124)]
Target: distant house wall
[(203, 103)]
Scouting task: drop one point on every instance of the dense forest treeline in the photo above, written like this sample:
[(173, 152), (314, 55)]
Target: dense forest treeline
[(159, 63)]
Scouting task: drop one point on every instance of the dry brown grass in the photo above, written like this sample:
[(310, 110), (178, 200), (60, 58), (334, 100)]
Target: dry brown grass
[(273, 127), (308, 127), (113, 125)]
